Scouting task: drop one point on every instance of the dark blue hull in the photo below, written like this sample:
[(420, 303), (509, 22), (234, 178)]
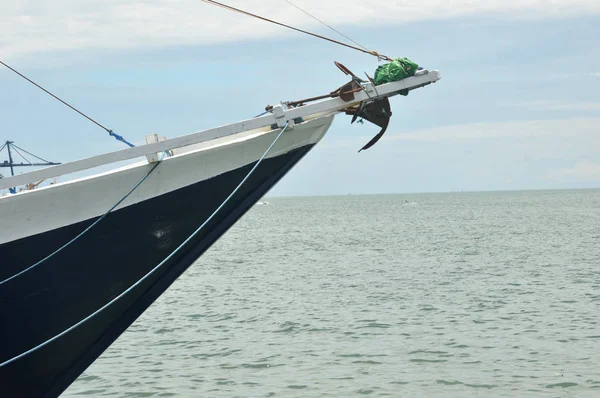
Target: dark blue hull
[(114, 255)]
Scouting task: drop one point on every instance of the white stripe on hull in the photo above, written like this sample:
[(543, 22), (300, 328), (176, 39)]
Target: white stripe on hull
[(33, 212)]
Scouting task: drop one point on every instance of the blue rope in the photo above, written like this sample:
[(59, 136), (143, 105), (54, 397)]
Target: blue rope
[(120, 138), (84, 231), (130, 288), (264, 113)]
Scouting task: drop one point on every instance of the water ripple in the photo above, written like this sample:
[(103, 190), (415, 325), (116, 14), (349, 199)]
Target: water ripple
[(491, 294)]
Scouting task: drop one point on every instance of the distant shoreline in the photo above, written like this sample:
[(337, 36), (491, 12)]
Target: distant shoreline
[(431, 193)]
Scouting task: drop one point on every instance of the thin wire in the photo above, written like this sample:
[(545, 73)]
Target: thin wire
[(84, 231), (330, 27), (259, 115), (374, 53), (50, 340), (20, 154), (29, 153), (110, 132), (49, 93)]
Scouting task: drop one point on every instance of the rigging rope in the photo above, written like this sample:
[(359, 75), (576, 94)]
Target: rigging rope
[(230, 8), (153, 270), (29, 153), (110, 132), (330, 27), (20, 154), (60, 249)]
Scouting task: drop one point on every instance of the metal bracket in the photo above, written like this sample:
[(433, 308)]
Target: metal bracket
[(279, 113), (155, 157), (370, 89)]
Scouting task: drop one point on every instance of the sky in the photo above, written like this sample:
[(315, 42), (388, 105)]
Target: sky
[(518, 106)]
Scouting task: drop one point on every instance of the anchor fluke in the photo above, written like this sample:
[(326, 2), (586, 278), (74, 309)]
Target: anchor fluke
[(377, 112)]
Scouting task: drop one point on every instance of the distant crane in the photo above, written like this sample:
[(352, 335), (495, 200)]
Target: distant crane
[(10, 145)]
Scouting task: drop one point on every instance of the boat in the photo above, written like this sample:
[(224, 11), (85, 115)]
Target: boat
[(81, 259)]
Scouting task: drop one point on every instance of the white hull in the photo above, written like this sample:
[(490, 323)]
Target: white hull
[(51, 207)]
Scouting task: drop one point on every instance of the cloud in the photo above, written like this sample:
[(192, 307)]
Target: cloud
[(563, 139), (565, 76), (36, 26), (553, 105), (520, 129), (481, 156), (582, 171)]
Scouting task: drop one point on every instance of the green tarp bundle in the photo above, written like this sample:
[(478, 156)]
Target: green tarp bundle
[(398, 69)]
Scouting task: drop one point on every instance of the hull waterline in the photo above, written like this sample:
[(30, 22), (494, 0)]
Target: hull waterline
[(111, 257)]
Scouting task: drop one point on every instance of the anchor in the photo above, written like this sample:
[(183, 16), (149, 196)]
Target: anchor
[(376, 111)]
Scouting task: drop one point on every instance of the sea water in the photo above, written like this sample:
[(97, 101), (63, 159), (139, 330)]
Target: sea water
[(446, 295)]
